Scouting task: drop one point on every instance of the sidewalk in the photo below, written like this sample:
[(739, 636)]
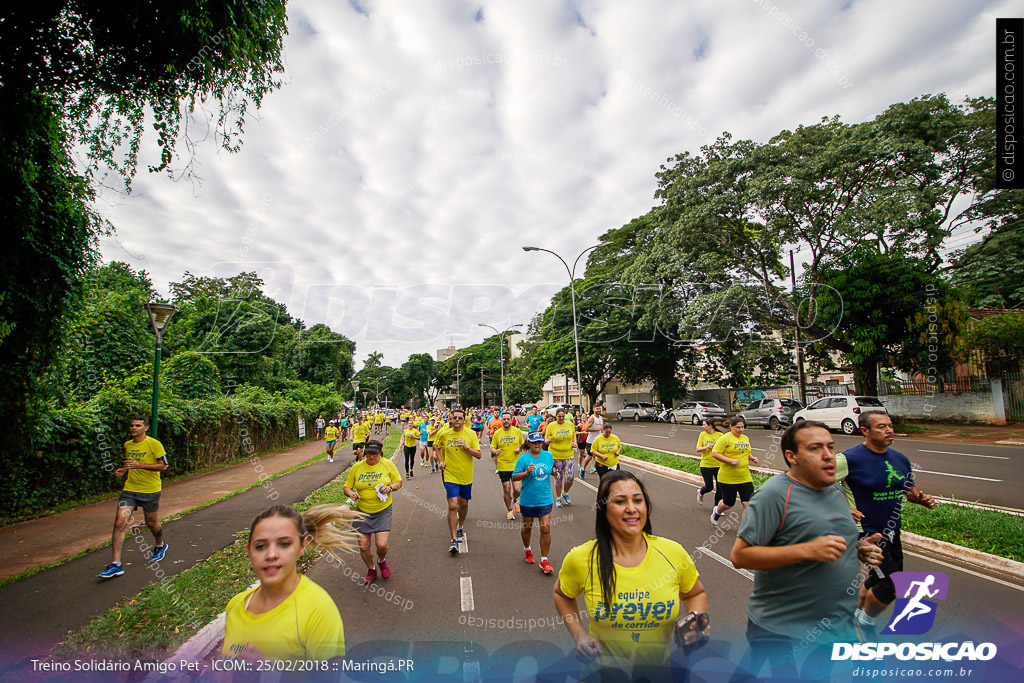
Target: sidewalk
[(38, 542), (964, 433)]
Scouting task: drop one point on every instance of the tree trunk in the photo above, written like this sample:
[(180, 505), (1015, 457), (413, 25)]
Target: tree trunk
[(865, 379)]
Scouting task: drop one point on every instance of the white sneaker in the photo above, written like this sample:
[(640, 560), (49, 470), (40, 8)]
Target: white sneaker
[(715, 516)]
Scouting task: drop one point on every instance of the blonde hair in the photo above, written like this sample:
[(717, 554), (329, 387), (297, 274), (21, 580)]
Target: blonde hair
[(326, 526)]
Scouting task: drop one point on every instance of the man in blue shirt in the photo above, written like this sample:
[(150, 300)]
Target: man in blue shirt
[(535, 500), (879, 477), (534, 420)]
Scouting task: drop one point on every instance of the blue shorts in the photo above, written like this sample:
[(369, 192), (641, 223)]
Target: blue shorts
[(330, 443), (534, 512), (453, 490)]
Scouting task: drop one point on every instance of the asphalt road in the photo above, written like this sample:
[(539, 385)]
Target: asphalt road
[(486, 612), (976, 472)]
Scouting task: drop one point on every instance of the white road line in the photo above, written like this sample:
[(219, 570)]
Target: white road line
[(587, 484), (464, 544), (970, 455), (961, 476), (466, 588), (655, 436), (721, 560), (966, 571)]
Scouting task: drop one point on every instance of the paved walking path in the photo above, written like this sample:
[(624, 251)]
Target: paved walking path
[(38, 542)]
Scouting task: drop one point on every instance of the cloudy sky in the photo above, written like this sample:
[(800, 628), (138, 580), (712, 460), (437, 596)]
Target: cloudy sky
[(387, 188)]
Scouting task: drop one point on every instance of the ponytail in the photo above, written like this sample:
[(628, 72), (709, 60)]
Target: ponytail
[(326, 526)]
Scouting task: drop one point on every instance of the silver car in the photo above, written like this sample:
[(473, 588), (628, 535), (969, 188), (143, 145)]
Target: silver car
[(637, 411), (695, 412), (771, 413)]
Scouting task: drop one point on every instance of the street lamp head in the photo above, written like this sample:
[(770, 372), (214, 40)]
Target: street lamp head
[(160, 316), (355, 385), (530, 249)]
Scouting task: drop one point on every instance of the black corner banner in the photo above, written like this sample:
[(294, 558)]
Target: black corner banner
[(1009, 134)]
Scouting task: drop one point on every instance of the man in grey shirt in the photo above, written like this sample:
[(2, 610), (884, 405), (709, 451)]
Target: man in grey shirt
[(801, 541)]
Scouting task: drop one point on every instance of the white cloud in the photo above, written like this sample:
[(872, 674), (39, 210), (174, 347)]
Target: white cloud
[(414, 144)]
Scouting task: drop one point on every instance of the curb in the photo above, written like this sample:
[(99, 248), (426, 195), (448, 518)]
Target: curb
[(199, 646), (1008, 442), (1002, 567)]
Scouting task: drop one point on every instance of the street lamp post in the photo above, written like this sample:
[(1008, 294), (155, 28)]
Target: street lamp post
[(458, 380), (501, 354), (355, 394), (572, 292), (159, 318)]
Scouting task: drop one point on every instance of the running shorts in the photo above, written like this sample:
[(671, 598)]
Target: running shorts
[(565, 470), (149, 502), (729, 491)]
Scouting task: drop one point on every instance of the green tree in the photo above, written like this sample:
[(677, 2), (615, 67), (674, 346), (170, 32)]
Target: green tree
[(991, 272), (424, 377), (77, 76), (1000, 337), (322, 356), (192, 375)]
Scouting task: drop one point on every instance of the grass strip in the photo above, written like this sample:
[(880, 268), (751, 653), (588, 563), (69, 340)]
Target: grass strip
[(985, 530), (164, 615)]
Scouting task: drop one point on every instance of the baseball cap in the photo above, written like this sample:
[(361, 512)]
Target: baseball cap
[(534, 437), (373, 447)]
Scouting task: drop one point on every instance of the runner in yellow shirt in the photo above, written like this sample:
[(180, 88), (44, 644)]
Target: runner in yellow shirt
[(733, 451), (330, 439), (360, 433), (144, 460), (458, 446), (370, 483), (506, 445), (650, 582), (410, 437), (606, 448), (708, 463), (288, 616), (558, 436)]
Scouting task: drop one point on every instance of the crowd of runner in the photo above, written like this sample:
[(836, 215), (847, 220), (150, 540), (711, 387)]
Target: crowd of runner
[(807, 534)]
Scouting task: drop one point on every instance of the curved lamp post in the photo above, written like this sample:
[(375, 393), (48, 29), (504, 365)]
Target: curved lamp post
[(501, 354)]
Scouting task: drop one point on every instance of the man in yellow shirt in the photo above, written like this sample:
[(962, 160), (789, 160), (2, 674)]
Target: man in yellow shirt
[(145, 459), (559, 436), (360, 433), (457, 447), (506, 445)]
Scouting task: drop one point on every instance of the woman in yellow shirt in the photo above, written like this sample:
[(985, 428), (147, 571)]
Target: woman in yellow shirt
[(634, 585), (370, 483), (708, 464), (288, 616), (558, 437), (733, 451)]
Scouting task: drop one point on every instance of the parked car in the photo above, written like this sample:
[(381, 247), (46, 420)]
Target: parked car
[(554, 407), (694, 412), (771, 413), (637, 411), (840, 412)]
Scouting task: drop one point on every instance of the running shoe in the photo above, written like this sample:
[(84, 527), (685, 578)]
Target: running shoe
[(410, 475), (558, 502), (700, 497), (385, 570), (515, 506), (113, 569), (510, 515), (546, 567), (158, 553), (593, 469), (453, 547), (565, 497), (460, 534), (370, 577), (582, 474), (715, 516), (529, 556)]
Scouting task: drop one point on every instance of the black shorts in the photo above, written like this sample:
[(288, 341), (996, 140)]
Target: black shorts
[(729, 491), (149, 502), (505, 475), (880, 577)]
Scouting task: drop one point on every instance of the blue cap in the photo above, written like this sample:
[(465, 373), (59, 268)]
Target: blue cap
[(535, 437)]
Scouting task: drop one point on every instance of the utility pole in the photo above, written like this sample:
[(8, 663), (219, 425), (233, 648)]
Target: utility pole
[(481, 387), (799, 351)]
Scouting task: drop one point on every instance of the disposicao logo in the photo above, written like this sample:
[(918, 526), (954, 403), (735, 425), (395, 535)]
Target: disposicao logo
[(914, 614)]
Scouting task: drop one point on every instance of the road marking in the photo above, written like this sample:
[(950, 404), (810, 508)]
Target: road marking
[(966, 571), (466, 588), (970, 455), (721, 560), (655, 436), (961, 476)]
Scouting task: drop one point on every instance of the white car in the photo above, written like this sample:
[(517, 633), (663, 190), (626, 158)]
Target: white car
[(840, 412)]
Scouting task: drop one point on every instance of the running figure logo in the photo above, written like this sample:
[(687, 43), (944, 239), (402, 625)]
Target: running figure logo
[(914, 613), (891, 474)]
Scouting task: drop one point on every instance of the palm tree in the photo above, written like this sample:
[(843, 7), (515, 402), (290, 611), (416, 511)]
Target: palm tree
[(373, 360)]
